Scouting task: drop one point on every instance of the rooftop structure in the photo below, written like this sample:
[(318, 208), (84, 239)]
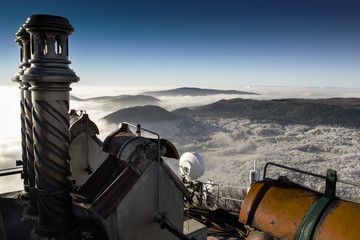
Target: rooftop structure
[(127, 191), (131, 190), (85, 147)]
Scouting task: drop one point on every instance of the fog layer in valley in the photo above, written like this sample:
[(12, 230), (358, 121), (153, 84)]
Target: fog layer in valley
[(228, 146)]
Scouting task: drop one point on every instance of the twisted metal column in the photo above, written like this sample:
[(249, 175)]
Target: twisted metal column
[(52, 166), (28, 106), (20, 40), (50, 78)]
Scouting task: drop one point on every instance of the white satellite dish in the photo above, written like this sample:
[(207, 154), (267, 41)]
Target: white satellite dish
[(191, 165)]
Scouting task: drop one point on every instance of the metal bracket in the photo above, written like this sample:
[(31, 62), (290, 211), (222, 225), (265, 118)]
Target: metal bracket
[(316, 210), (331, 179)]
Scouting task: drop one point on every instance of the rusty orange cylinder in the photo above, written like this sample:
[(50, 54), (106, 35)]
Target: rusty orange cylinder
[(257, 235), (341, 220), (277, 208)]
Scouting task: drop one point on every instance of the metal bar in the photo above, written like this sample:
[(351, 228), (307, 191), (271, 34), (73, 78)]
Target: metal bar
[(218, 201), (230, 186), (349, 183), (223, 185), (218, 194), (10, 171), (232, 199), (305, 172), (292, 169), (12, 168), (165, 223)]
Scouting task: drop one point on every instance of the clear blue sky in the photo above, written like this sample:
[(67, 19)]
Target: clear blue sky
[(200, 42)]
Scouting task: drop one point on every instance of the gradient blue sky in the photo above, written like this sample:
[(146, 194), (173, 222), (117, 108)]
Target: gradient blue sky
[(230, 43)]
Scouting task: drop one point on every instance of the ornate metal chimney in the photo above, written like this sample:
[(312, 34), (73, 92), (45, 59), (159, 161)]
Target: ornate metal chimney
[(22, 39), (50, 77)]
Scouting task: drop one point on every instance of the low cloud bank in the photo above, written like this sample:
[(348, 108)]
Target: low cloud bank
[(229, 146)]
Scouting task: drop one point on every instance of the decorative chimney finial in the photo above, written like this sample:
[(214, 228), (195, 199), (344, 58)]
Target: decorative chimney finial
[(50, 77)]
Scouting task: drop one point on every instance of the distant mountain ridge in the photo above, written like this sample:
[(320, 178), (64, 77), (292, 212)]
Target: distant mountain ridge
[(140, 114), (122, 98), (187, 91), (335, 111)]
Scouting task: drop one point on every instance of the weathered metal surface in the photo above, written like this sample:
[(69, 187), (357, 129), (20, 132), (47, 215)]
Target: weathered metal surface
[(134, 155), (50, 78), (101, 178), (112, 196), (252, 201), (82, 123), (340, 221), (277, 208), (138, 154), (316, 210), (110, 169), (257, 235), (114, 142), (118, 139), (171, 151)]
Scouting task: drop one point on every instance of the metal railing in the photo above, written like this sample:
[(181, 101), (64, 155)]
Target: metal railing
[(216, 194), (10, 171), (305, 172)]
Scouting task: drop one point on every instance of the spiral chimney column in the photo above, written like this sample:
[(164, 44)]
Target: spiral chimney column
[(20, 40), (24, 38), (50, 77)]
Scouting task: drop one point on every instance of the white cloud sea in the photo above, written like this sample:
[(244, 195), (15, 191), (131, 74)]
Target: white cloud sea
[(228, 146)]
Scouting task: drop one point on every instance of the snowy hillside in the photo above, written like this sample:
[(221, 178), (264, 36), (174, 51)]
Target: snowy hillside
[(222, 134), (230, 146), (334, 111)]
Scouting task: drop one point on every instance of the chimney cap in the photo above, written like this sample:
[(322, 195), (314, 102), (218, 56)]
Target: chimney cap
[(48, 22)]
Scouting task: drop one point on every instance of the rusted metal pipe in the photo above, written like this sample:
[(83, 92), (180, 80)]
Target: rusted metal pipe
[(287, 210), (50, 77)]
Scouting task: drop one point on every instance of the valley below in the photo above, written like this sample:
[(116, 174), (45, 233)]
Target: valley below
[(230, 134), (230, 131)]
